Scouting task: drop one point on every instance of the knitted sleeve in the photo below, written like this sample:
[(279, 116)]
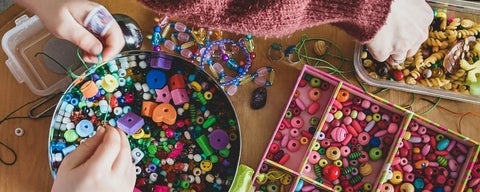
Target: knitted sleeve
[(274, 18)]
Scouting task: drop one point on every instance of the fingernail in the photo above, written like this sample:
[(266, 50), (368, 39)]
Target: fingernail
[(101, 129)]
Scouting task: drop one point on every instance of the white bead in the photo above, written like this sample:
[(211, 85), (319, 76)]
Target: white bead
[(145, 87), (63, 127), (132, 64), (143, 64), (70, 125), (147, 96), (138, 86), (19, 131)]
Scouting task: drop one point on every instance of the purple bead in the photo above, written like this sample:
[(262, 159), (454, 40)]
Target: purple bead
[(161, 60), (130, 123), (218, 139), (225, 57)]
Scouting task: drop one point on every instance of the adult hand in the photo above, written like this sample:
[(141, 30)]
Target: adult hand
[(102, 163), (64, 19), (405, 30)]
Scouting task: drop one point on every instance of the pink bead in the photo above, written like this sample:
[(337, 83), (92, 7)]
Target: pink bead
[(392, 128), (426, 149), (286, 123), (186, 53), (366, 104), (425, 138), (352, 130), (297, 122), (163, 95), (474, 182), (284, 141), (364, 157), (404, 161), (293, 145), (452, 165), (313, 108), (308, 188), (422, 130), (363, 138), (337, 105), (345, 151), (329, 118), (375, 108), (396, 161), (300, 104), (415, 139), (356, 126), (314, 157), (413, 126), (180, 27), (338, 134), (169, 44), (407, 168), (183, 37), (294, 133), (274, 148), (302, 83), (408, 177), (380, 133), (180, 96), (347, 139), (347, 120), (361, 116), (307, 168)]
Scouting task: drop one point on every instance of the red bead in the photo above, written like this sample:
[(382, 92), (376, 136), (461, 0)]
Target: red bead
[(397, 75), (253, 55), (331, 172)]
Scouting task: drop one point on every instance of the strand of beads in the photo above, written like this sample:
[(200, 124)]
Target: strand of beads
[(240, 68), (183, 40)]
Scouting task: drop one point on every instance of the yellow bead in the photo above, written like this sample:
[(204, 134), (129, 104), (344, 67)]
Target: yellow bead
[(338, 115), (109, 83), (196, 86), (323, 162), (139, 134), (316, 146), (397, 177), (333, 153), (407, 187), (407, 135), (366, 169), (368, 118)]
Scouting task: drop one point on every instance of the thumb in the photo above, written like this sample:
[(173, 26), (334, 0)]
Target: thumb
[(84, 151)]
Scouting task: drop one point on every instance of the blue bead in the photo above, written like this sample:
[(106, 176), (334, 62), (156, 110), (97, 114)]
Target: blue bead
[(249, 36), (156, 79), (74, 101), (375, 142), (84, 128), (67, 97), (419, 183), (232, 63), (157, 29)]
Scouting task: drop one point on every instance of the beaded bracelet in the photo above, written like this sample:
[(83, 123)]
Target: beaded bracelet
[(218, 70)]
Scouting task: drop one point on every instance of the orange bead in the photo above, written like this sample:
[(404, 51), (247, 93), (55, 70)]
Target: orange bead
[(147, 108), (164, 112), (343, 96)]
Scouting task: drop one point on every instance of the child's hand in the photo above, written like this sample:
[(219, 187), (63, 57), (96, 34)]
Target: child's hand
[(405, 30), (65, 20), (101, 163)]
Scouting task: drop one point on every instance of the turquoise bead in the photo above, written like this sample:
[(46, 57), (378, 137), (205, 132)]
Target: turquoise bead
[(418, 183), (443, 144)]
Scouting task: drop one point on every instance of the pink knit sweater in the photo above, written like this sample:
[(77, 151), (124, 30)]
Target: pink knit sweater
[(274, 18)]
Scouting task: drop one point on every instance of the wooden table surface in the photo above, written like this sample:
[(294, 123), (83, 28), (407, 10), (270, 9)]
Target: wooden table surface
[(31, 171)]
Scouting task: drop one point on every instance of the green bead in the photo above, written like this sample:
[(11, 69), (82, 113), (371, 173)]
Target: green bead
[(375, 153), (354, 114), (184, 184), (214, 159), (322, 151), (152, 149), (315, 82), (314, 121), (224, 152), (70, 135), (338, 114), (376, 117), (156, 161), (288, 114)]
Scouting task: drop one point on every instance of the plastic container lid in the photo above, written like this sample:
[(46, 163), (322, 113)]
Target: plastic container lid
[(37, 58)]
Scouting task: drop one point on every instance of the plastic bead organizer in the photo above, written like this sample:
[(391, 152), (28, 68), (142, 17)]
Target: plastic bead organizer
[(181, 126), (335, 137)]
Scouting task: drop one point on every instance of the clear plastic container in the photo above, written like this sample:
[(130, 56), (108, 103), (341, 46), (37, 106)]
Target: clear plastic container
[(454, 9), (37, 58)]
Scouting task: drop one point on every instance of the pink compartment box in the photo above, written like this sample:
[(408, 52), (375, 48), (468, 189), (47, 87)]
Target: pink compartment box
[(473, 183), (335, 137), (432, 158)]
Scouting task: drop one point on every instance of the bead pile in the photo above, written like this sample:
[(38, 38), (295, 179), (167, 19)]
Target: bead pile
[(427, 68), (427, 160), (181, 126), (474, 182)]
